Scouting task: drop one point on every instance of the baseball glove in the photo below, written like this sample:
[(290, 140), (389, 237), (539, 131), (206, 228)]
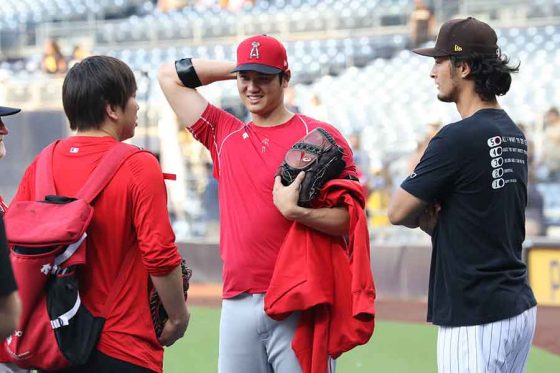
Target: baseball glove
[(319, 156), (159, 315)]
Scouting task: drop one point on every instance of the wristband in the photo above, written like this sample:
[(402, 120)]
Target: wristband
[(186, 73)]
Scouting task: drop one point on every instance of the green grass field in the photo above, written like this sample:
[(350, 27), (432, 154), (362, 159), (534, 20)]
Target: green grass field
[(394, 348)]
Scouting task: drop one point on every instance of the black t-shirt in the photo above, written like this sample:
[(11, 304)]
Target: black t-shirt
[(477, 169), (7, 282)]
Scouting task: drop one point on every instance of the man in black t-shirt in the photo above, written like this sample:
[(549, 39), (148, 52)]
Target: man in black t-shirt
[(469, 192)]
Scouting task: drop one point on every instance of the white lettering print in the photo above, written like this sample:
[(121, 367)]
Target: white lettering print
[(496, 152), (45, 269), (494, 141), (514, 150), (497, 173), (501, 155), (498, 183), (514, 140), (497, 162), (265, 144)]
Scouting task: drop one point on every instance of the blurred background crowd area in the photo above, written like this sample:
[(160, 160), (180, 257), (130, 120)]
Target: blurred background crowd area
[(351, 66)]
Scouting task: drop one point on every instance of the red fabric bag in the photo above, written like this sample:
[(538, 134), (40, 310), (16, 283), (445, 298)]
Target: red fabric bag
[(47, 248)]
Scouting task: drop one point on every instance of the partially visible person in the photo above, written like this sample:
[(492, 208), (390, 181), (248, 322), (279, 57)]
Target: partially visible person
[(421, 146), (9, 302), (53, 61), (361, 159), (99, 99), (469, 193), (317, 109), (236, 5), (78, 54), (421, 23), (165, 6), (290, 100), (380, 188), (256, 210), (210, 201), (535, 222), (551, 145)]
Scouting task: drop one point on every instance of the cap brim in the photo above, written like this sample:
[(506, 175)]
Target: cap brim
[(4, 111), (431, 52), (265, 69)]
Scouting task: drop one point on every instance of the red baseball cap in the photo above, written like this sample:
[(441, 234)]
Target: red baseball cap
[(261, 53)]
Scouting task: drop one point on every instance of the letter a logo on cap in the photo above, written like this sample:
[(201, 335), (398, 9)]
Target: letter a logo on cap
[(254, 50), (457, 48)]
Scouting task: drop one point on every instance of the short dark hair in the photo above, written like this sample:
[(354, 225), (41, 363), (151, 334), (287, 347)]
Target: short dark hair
[(92, 84), (283, 75), (491, 74)]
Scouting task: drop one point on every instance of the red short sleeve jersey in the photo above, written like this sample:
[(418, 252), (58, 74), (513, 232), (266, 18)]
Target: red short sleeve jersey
[(245, 158), (129, 214)]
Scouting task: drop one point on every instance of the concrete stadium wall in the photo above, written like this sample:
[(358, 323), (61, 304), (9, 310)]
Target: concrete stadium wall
[(29, 132), (400, 272)]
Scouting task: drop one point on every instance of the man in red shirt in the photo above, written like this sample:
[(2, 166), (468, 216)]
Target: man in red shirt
[(256, 210), (99, 98)]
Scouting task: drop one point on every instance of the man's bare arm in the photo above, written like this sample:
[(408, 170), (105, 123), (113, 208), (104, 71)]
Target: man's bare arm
[(405, 209), (10, 310), (334, 221), (170, 291), (187, 103)]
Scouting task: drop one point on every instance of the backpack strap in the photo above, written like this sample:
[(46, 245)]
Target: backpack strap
[(44, 180), (105, 170), (97, 181)]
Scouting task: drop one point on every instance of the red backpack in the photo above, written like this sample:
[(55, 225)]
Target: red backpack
[(47, 248)]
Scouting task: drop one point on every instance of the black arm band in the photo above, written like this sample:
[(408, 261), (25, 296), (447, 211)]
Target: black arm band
[(187, 74)]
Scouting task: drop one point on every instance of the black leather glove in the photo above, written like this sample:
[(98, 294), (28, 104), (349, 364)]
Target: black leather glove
[(319, 156)]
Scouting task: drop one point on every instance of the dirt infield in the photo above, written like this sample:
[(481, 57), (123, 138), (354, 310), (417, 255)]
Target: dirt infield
[(547, 335)]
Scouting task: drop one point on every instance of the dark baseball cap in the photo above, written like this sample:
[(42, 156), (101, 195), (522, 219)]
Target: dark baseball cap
[(463, 37), (5, 111), (261, 53)]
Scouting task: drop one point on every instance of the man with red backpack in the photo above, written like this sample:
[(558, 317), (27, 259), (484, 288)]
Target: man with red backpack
[(130, 234)]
